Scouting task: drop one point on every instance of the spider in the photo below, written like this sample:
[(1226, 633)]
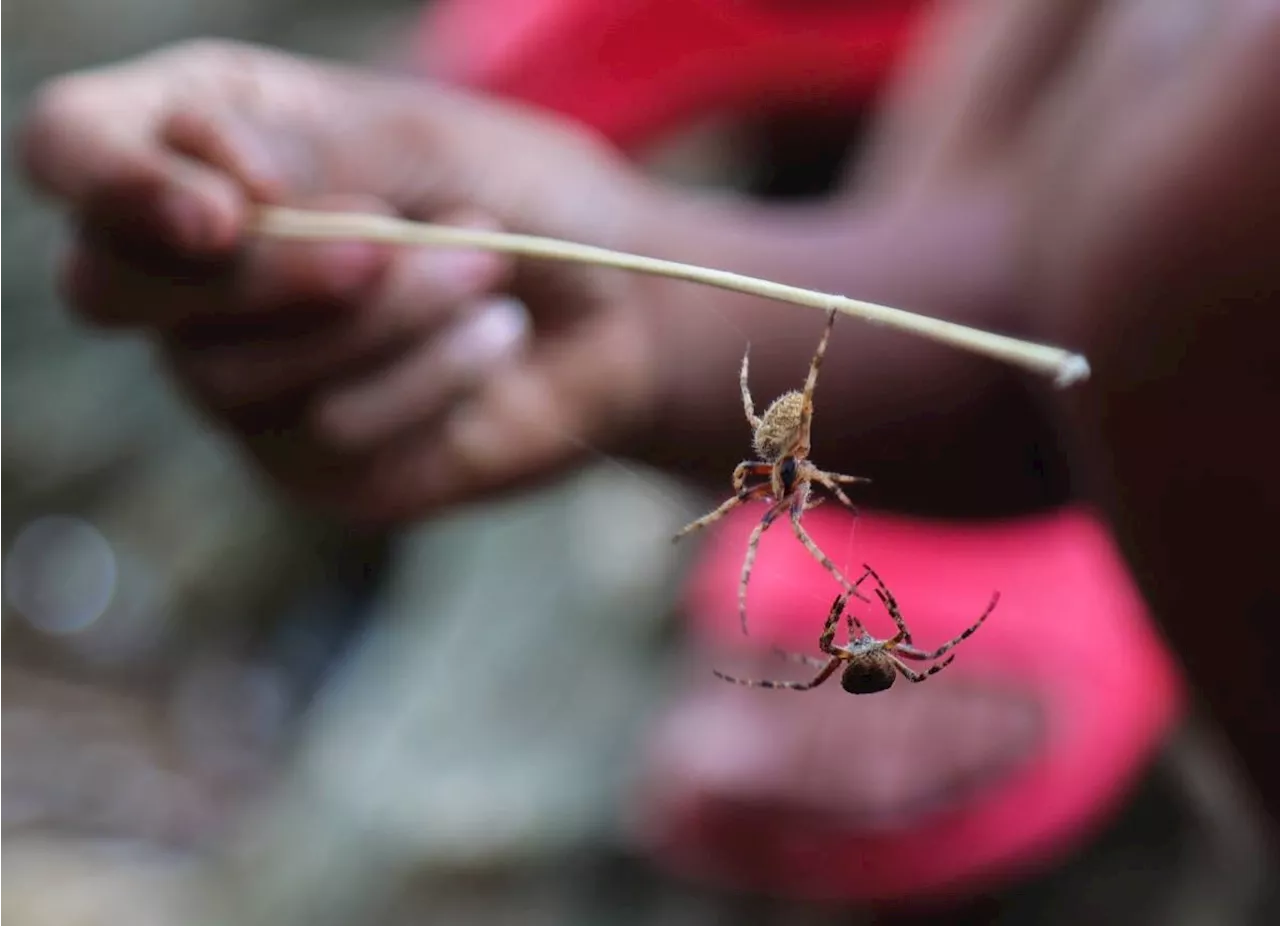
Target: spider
[(781, 440), (870, 665)]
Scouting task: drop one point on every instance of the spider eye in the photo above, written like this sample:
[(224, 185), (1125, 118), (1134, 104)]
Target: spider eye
[(787, 472)]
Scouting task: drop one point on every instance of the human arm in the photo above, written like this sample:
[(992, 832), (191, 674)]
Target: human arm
[(334, 366)]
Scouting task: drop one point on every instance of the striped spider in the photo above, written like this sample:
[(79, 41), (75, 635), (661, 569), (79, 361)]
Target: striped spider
[(781, 440), (870, 665)]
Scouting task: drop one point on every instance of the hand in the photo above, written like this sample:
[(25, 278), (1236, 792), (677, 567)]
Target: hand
[(380, 383)]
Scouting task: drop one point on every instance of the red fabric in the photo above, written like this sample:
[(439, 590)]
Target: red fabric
[(1070, 630), (637, 69)]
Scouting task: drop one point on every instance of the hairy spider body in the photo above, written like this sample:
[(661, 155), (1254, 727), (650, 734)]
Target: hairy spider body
[(779, 426), (869, 665), (781, 441)]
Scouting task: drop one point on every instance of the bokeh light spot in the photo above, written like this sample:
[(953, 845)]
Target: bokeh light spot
[(60, 574)]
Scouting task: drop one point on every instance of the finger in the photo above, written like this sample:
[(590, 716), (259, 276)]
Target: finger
[(297, 277), (426, 289), (568, 399), (420, 387), (418, 296), (523, 425), (400, 288), (114, 291), (116, 284), (512, 434), (236, 366), (262, 365), (262, 161), (87, 140)]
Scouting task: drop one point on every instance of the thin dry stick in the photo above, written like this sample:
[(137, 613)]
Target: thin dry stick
[(1063, 366)]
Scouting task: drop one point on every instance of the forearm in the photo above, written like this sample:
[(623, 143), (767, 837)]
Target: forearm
[(937, 428), (1175, 436)]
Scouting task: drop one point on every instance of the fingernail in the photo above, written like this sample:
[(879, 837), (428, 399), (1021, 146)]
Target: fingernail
[(495, 331)]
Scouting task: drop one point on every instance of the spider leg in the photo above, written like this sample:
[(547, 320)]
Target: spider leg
[(811, 382), (801, 658), (711, 518), (750, 468), (796, 510), (828, 481), (793, 686), (753, 547), (855, 625), (829, 628), (915, 676), (875, 575), (911, 652), (724, 509), (891, 605), (747, 405)]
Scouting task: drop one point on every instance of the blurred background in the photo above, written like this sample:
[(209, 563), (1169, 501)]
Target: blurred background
[(215, 705)]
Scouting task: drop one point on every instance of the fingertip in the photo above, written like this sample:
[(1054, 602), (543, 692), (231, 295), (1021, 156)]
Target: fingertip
[(162, 206), (203, 217), (52, 113)]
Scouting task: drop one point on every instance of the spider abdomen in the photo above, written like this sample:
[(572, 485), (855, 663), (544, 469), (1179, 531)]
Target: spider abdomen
[(779, 426), (868, 674)]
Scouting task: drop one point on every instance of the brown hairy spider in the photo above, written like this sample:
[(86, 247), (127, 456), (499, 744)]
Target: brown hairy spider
[(870, 665), (781, 439)]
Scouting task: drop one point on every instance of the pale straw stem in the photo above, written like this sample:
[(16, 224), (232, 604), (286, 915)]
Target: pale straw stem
[(1064, 367)]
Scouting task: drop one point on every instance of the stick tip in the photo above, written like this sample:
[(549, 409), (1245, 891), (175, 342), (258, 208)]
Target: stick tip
[(1072, 370)]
